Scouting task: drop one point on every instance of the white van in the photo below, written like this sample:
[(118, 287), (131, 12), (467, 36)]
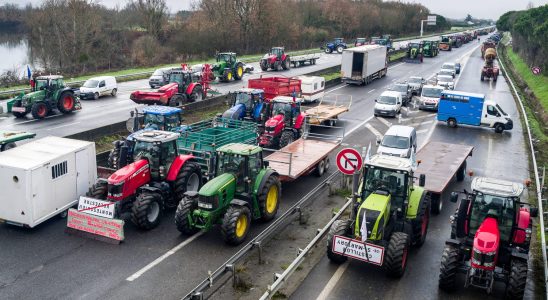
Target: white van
[(96, 87), (398, 141), (430, 97), (312, 88), (388, 104)]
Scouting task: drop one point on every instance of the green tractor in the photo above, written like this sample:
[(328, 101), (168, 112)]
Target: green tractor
[(228, 67), (391, 214), (430, 48), (48, 93), (244, 189), (415, 53)]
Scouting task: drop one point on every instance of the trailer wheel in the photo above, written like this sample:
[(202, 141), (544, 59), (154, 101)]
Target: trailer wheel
[(320, 168), (39, 110), (146, 210), (19, 114), (235, 226), (395, 259), (482, 77), (8, 146), (188, 179), (182, 216), (326, 163), (98, 191), (461, 172), (342, 228), (66, 102), (436, 203), (452, 123), (421, 222), (313, 61), (269, 198), (515, 286), (448, 268), (287, 138)]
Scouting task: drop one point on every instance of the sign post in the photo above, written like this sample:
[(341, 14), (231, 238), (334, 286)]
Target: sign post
[(431, 20), (350, 162)]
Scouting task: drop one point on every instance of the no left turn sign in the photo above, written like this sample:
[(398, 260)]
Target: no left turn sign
[(349, 161)]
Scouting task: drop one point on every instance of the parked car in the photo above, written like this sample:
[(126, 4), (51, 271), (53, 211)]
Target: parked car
[(388, 104), (446, 81), (451, 67), (248, 68), (405, 90), (159, 78), (96, 87), (446, 72), (430, 97), (416, 83), (398, 141)]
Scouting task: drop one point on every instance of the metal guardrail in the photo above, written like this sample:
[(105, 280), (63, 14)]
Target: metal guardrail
[(229, 266), (538, 183)]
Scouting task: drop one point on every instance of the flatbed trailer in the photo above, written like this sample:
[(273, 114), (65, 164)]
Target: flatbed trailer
[(440, 162), (301, 60), (308, 154), (8, 138), (328, 112)]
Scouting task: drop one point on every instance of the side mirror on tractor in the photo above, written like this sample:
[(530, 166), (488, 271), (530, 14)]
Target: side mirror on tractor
[(422, 180), (454, 197)]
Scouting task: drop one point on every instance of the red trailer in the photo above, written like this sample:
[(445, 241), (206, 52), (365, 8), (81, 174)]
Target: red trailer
[(276, 86)]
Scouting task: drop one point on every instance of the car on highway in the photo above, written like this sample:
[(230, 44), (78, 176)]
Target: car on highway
[(159, 78), (446, 81), (416, 83), (405, 90), (430, 97), (446, 72), (398, 141), (96, 87), (451, 67), (388, 104)]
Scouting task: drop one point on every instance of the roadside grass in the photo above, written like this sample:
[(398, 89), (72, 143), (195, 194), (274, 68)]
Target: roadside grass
[(537, 83)]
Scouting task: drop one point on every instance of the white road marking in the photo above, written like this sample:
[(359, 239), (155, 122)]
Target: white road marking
[(384, 121), (422, 131), (371, 91), (334, 89), (333, 282), (426, 122), (64, 125), (359, 126), (373, 130), (395, 66), (163, 257), (430, 132)]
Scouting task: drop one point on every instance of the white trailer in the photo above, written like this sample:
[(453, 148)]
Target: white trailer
[(312, 88), (44, 178), (361, 65), (301, 60)]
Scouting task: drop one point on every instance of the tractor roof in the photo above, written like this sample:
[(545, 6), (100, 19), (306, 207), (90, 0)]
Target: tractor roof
[(497, 187), (161, 110), (286, 99), (156, 136), (50, 77), (390, 162), (229, 53), (249, 91), (241, 149)]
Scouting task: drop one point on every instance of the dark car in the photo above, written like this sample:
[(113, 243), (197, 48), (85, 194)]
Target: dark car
[(159, 78), (416, 83), (405, 91)]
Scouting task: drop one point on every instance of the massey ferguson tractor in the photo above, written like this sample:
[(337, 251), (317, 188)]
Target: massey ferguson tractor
[(490, 236), (276, 59), (183, 87), (285, 125), (489, 70)]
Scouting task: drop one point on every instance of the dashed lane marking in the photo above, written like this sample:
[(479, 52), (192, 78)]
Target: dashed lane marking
[(332, 282), (384, 121), (426, 122), (422, 131), (373, 130)]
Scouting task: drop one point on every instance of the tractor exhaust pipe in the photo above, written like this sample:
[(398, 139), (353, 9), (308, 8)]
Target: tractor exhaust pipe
[(123, 156)]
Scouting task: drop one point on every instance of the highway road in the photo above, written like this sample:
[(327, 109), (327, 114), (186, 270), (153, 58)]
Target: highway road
[(46, 263)]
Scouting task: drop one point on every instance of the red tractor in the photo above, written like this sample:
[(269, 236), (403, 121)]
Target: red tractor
[(490, 69), (157, 179), (276, 59), (285, 125), (490, 236), (184, 86)]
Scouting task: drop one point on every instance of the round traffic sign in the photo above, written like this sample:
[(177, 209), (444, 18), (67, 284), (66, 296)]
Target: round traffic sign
[(535, 70), (349, 161)]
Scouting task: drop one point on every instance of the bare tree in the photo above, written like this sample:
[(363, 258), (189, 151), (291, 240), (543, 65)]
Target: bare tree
[(153, 13)]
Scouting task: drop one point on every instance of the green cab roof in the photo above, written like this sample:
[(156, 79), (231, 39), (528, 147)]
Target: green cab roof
[(241, 149)]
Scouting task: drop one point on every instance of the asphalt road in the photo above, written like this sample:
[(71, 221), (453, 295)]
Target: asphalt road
[(46, 263)]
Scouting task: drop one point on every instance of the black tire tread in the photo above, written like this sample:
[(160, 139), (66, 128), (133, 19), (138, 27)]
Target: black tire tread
[(424, 208), (272, 180), (392, 265), (448, 268), (185, 207), (179, 185), (339, 227), (98, 191), (517, 280), (139, 210), (228, 227)]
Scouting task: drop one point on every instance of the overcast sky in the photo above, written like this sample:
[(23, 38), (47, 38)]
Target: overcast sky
[(490, 9)]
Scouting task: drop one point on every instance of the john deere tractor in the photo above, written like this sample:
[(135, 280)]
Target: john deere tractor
[(244, 189), (391, 213), (430, 48), (228, 67), (48, 93)]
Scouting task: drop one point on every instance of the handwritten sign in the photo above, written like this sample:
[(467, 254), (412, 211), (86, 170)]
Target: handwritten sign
[(110, 228), (357, 250)]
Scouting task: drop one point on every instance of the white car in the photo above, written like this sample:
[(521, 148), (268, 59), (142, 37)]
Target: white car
[(95, 87), (451, 67), (430, 97), (446, 81), (398, 141), (388, 104)]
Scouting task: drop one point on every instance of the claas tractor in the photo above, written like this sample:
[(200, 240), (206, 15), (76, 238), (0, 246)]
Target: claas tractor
[(446, 44), (276, 59), (414, 53), (337, 44), (391, 213), (244, 189), (227, 67), (490, 238), (285, 124), (48, 93), (155, 181), (430, 48), (247, 104)]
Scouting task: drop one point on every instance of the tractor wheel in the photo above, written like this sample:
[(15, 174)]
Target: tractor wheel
[(66, 102), (395, 259), (421, 222), (227, 76), (39, 110), (98, 191), (328, 50), (436, 203), (182, 216), (239, 72), (287, 138), (176, 100), (8, 146), (517, 279), (494, 78), (146, 210), (340, 49), (448, 268), (197, 94), (461, 172), (114, 156), (269, 198), (19, 114), (342, 228), (320, 168), (264, 65), (286, 64), (188, 179), (460, 222), (235, 226)]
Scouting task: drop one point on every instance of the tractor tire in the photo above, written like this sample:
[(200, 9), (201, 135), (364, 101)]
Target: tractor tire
[(39, 110), (328, 50), (515, 287), (499, 128), (239, 72), (342, 228), (340, 49), (286, 64), (227, 76), (147, 210), (436, 203), (460, 222), (421, 222), (189, 178), (264, 65), (461, 172), (19, 114), (395, 259), (448, 268), (66, 102), (287, 138), (176, 100), (8, 146), (113, 158), (182, 215), (197, 94), (269, 198), (235, 226), (98, 191)]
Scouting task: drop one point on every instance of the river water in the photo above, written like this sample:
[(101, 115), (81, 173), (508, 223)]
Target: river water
[(14, 56)]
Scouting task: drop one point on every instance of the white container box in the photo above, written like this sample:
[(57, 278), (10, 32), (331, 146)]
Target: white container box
[(361, 64)]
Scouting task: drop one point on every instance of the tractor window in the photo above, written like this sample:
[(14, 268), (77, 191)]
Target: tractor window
[(387, 180), (41, 83), (172, 121), (231, 163), (154, 120), (496, 207), (244, 99), (168, 153), (142, 150), (255, 165)]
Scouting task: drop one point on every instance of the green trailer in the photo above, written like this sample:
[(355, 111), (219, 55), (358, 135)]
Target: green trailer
[(8, 138)]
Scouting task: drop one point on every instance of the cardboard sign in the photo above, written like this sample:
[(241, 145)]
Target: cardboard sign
[(357, 250), (110, 228), (18, 109), (96, 207)]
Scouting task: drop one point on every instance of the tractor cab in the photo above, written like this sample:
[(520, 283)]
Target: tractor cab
[(337, 41), (248, 104), (243, 161), (182, 77), (287, 106), (226, 57), (278, 51), (445, 39), (48, 83), (162, 118), (159, 148)]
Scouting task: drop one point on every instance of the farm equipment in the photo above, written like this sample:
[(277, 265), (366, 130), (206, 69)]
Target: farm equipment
[(458, 40), (360, 42), (184, 87), (430, 48), (414, 53), (285, 125), (227, 67), (446, 43), (391, 214), (337, 44), (276, 59), (275, 86), (8, 138), (301, 60), (48, 93), (385, 40), (487, 45), (490, 236), (327, 111), (489, 69), (361, 65), (247, 104)]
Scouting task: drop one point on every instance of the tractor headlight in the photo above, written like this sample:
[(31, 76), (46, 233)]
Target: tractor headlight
[(528, 234), (491, 264), (476, 262), (208, 202), (205, 205), (491, 253)]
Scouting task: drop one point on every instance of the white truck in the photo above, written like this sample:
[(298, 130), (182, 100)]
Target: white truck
[(363, 64), (44, 178)]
